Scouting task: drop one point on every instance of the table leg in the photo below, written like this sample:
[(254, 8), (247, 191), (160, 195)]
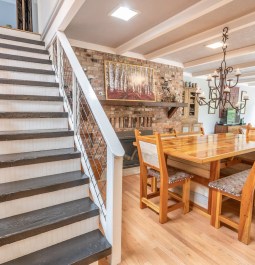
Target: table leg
[(214, 174)]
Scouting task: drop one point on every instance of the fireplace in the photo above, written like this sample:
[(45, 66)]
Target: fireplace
[(127, 139)]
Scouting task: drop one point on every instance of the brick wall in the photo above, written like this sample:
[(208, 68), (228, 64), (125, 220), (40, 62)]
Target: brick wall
[(125, 118)]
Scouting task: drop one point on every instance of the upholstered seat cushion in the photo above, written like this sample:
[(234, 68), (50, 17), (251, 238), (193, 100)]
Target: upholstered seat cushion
[(173, 174), (232, 184)]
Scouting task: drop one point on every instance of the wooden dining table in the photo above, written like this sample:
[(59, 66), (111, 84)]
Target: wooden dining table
[(211, 148)]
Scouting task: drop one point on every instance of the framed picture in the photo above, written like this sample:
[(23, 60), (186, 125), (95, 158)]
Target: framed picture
[(212, 107), (128, 82)]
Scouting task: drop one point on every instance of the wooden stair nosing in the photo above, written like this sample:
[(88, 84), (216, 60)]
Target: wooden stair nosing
[(19, 39), (34, 134), (26, 70), (81, 250), (27, 82), (36, 157), (24, 59), (31, 97), (23, 49), (32, 115), (30, 224), (30, 187)]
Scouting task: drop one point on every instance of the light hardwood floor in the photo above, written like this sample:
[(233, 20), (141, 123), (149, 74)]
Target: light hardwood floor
[(184, 239)]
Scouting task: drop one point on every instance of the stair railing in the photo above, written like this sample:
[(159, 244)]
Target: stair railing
[(102, 153)]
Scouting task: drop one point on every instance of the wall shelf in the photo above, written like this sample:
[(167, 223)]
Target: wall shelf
[(173, 106)]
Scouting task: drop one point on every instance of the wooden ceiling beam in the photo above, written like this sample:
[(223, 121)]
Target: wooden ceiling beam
[(197, 10), (218, 57), (204, 37), (211, 70)]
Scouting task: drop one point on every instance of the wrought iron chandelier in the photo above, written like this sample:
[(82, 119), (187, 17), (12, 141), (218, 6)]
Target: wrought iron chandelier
[(220, 88)]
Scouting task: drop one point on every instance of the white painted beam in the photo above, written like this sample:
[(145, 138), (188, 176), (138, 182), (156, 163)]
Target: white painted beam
[(249, 80), (203, 37), (218, 57), (211, 70), (189, 14), (62, 19)]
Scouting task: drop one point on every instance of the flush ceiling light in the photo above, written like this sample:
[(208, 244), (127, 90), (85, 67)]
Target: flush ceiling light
[(215, 45), (124, 13)]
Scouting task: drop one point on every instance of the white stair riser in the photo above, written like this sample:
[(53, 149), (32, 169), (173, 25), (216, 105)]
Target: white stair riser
[(33, 124), (44, 200), (25, 64), (35, 243), (22, 44), (10, 174), (23, 53), (27, 76), (20, 34), (30, 106), (31, 145), (28, 90)]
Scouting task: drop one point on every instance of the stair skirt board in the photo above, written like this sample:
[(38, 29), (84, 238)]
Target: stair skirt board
[(25, 64), (23, 53), (10, 174), (31, 145), (40, 201), (20, 34), (28, 90), (31, 106), (27, 76), (38, 242), (16, 124), (22, 44)]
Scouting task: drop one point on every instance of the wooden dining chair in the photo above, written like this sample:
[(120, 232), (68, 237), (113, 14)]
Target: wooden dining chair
[(153, 164), (240, 187)]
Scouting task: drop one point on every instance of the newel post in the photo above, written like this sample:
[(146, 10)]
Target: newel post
[(114, 205)]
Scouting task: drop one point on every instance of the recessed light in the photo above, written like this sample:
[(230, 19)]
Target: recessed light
[(215, 45), (124, 13)]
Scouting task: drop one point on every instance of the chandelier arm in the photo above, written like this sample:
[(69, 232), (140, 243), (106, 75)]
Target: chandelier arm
[(237, 79)]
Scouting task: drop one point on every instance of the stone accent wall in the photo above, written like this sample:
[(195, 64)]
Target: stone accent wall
[(144, 117)]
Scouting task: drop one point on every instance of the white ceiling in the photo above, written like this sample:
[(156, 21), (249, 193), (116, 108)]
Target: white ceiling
[(167, 30)]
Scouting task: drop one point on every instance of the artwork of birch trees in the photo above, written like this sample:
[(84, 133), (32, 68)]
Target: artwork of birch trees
[(128, 82)]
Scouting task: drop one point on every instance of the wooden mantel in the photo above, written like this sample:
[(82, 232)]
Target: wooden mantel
[(173, 106)]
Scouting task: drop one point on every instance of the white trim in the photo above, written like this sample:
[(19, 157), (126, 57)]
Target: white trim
[(105, 49), (204, 37), (189, 14)]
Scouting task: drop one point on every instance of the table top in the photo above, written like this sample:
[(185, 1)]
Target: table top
[(207, 148)]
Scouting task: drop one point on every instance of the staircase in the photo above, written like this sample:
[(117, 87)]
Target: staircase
[(46, 215)]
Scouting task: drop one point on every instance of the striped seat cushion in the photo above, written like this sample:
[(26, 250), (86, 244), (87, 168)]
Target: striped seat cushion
[(173, 174), (232, 184)]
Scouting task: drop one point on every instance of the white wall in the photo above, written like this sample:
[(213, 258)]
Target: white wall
[(209, 120), (45, 10)]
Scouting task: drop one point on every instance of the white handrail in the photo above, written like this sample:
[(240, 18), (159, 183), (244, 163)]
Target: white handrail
[(108, 133)]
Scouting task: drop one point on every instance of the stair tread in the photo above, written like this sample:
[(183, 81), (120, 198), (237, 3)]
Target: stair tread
[(20, 39), (29, 187), (83, 249), (22, 48), (26, 70), (29, 224), (24, 58), (28, 82), (27, 115), (19, 159), (30, 97), (34, 134)]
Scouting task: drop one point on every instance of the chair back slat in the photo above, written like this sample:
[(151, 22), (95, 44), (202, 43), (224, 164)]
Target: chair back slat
[(250, 131), (149, 153)]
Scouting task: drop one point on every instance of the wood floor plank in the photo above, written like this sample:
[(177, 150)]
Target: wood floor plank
[(184, 240)]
